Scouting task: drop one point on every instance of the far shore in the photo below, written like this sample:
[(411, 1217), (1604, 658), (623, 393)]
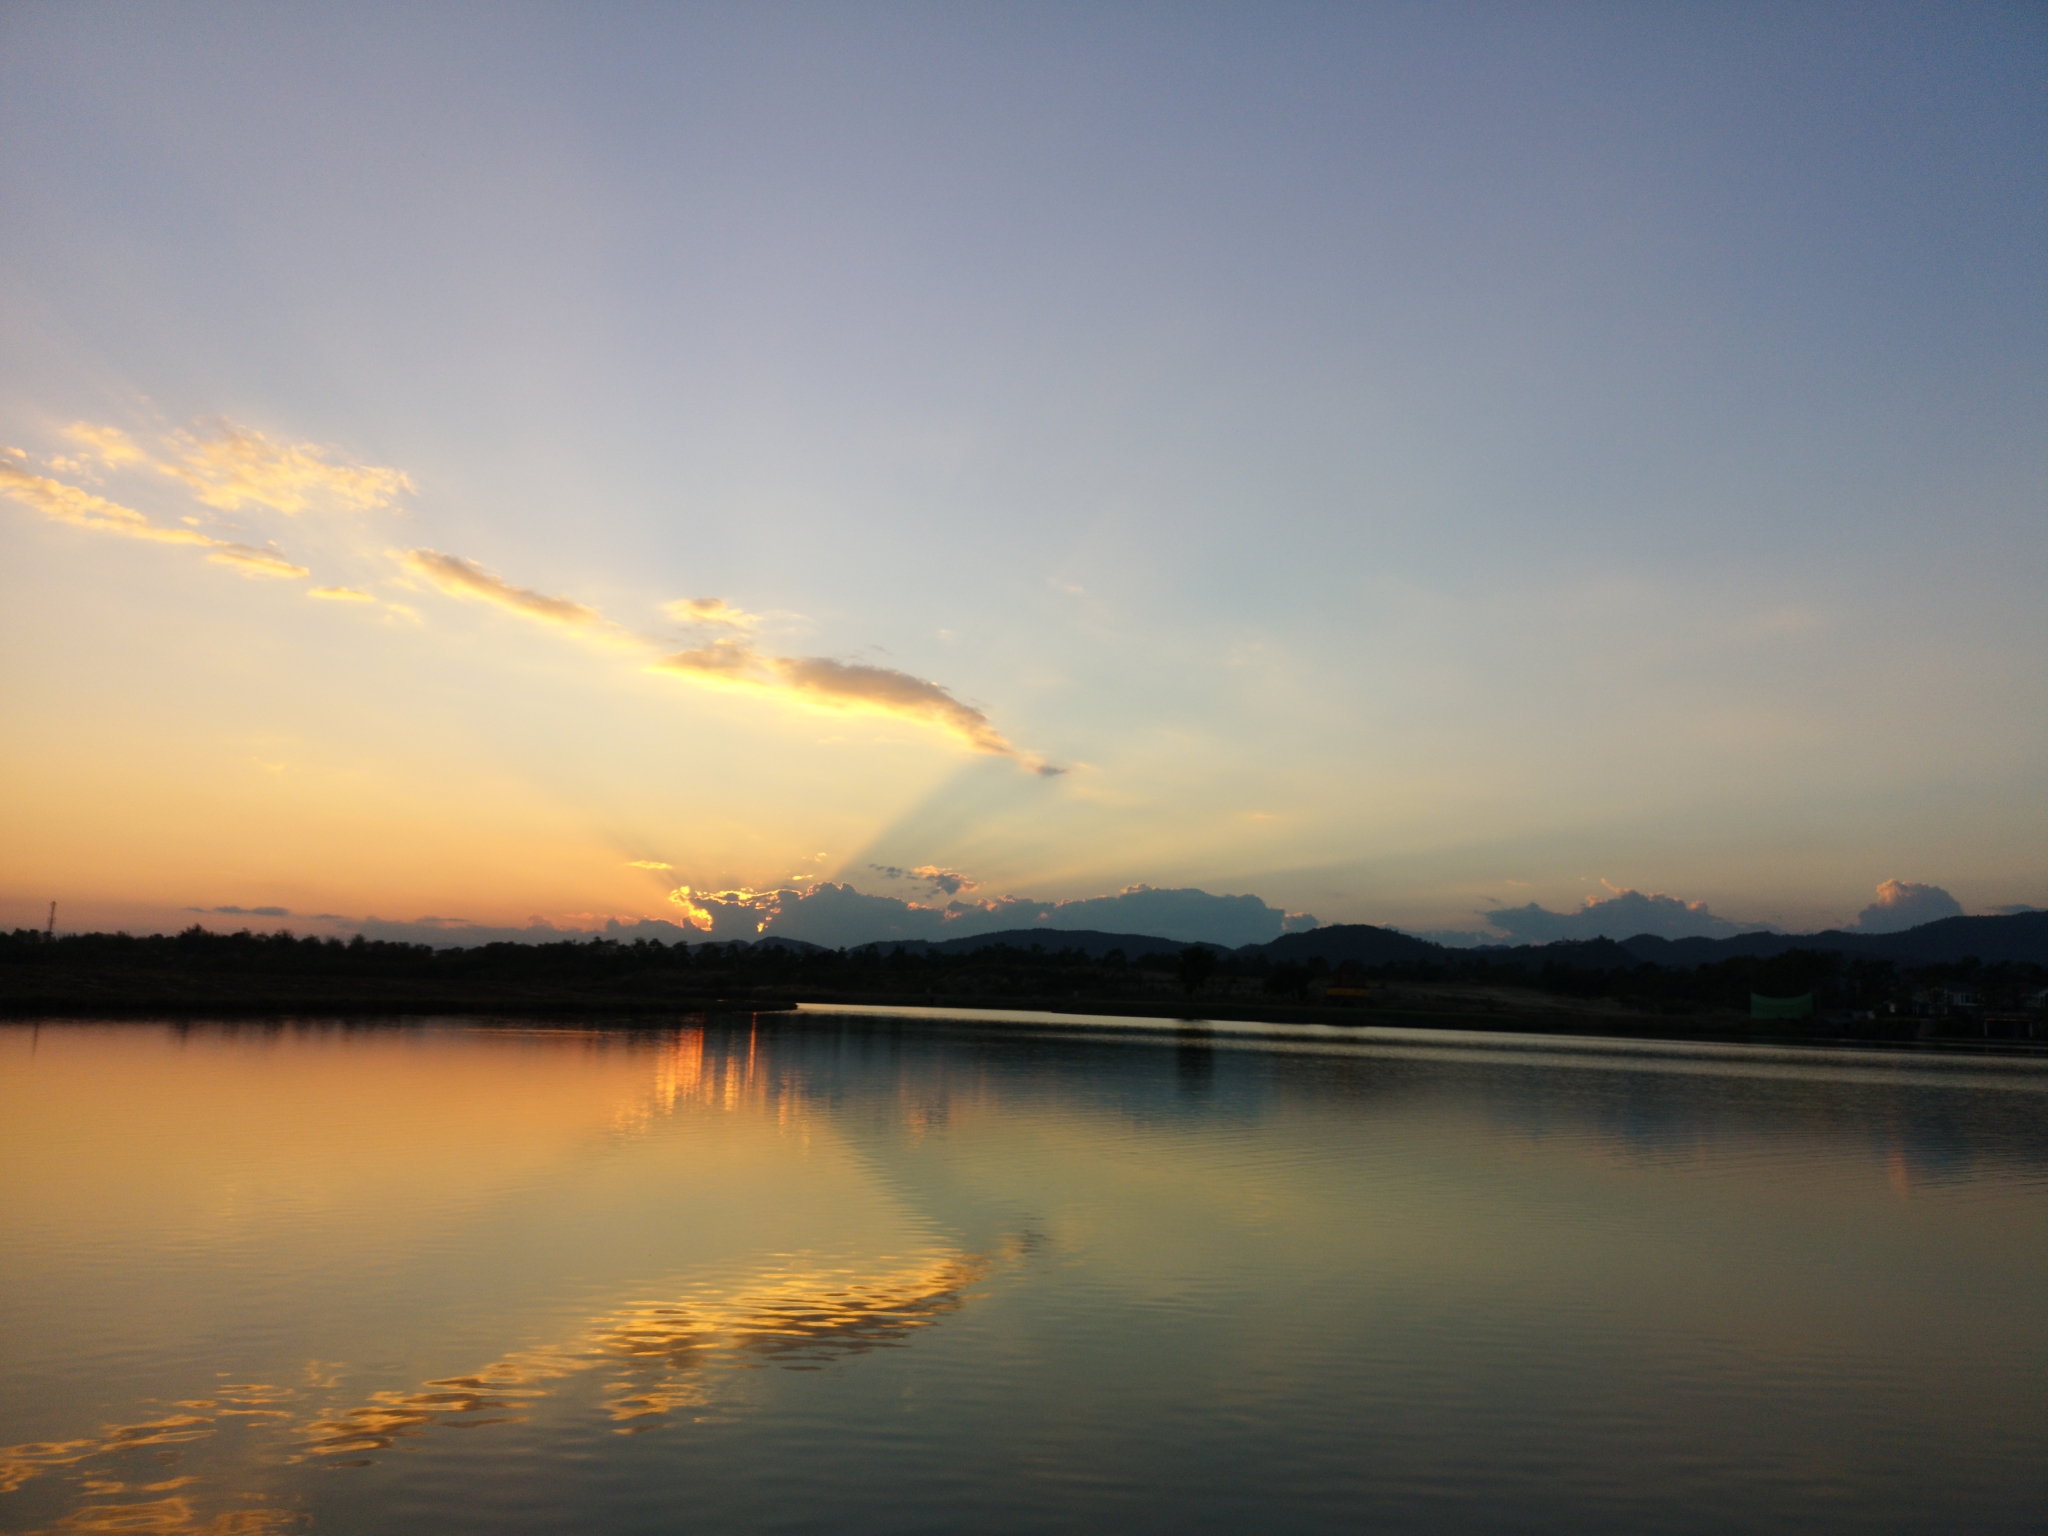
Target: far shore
[(1434, 1008)]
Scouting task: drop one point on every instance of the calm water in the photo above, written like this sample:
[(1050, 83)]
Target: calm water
[(856, 1274)]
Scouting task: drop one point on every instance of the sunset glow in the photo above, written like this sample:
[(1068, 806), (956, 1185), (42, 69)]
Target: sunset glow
[(1399, 466)]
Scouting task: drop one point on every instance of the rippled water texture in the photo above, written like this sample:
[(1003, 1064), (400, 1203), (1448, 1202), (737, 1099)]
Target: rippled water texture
[(859, 1274)]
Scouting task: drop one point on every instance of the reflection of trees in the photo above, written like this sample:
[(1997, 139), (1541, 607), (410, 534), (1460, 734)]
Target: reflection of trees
[(1913, 1118), (1909, 1117)]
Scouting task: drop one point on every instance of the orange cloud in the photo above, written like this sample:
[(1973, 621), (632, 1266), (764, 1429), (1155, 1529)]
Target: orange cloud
[(81, 509), (251, 561), (110, 445), (231, 466), (714, 612), (341, 595), (695, 913), (462, 578), (844, 687), (68, 504), (951, 881), (237, 466), (734, 661)]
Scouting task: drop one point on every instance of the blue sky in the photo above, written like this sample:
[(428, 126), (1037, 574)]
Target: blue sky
[(1406, 462)]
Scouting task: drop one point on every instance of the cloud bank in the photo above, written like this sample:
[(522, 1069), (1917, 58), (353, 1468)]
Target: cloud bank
[(1622, 915), (839, 915)]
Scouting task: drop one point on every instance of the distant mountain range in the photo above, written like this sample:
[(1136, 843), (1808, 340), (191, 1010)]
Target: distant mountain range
[(2022, 938)]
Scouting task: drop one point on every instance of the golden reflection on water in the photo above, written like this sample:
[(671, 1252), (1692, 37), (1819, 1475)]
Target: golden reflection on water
[(175, 1515), (248, 1400), (662, 1351), (796, 1321), (664, 1355)]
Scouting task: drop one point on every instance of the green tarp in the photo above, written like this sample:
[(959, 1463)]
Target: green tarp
[(1781, 1007)]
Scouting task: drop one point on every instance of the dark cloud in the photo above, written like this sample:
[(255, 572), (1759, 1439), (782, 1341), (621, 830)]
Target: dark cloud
[(245, 911), (949, 881), (1620, 916), (1902, 904), (838, 915)]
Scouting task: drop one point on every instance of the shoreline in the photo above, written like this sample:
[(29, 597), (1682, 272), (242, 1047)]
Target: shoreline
[(1911, 1035)]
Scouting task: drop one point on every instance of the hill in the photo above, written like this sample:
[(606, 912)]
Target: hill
[(2021, 938), (1351, 941), (1089, 941)]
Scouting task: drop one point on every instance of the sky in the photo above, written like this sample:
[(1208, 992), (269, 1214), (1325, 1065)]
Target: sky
[(558, 466)]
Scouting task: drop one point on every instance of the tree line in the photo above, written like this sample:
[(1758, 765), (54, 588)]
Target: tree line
[(245, 960)]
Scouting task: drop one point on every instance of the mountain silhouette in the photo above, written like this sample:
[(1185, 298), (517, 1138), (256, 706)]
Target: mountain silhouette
[(2021, 937)]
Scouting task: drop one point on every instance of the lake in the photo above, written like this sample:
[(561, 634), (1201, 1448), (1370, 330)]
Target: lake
[(856, 1273)]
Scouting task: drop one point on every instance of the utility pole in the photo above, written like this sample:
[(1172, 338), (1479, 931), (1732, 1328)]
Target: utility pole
[(50, 931)]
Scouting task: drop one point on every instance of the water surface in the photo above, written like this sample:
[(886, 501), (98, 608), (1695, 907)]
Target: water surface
[(855, 1273)]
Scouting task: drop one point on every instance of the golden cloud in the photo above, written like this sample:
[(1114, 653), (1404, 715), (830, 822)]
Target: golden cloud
[(238, 466), (714, 612), (845, 687), (81, 509), (745, 909), (110, 445), (721, 659), (68, 504), (695, 914), (855, 686), (463, 578), (951, 881), (251, 561), (231, 466)]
